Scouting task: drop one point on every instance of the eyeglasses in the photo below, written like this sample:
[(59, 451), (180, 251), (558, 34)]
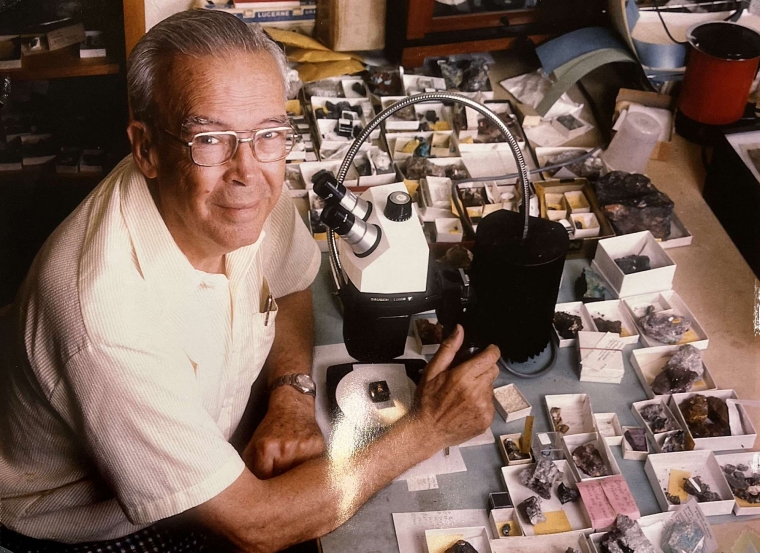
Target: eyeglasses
[(209, 149)]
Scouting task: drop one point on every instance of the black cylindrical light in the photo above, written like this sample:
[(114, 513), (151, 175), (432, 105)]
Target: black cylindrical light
[(516, 282)]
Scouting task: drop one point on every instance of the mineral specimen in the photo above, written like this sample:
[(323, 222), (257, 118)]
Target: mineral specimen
[(451, 73), (717, 411), (513, 451), (589, 168), (657, 418), (632, 203), (572, 550), (636, 438), (694, 486), (541, 478), (532, 509), (680, 373), (626, 537), (506, 529), (359, 88), (379, 391), (458, 257), (430, 333), (556, 414), (588, 459), (384, 81), (694, 409), (743, 486), (590, 287), (417, 167), (461, 546), (475, 76), (567, 325), (672, 499), (684, 537), (567, 494), (603, 325), (633, 263), (677, 441), (663, 327), (335, 110)]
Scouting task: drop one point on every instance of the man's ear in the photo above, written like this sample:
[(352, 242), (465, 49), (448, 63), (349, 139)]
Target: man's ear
[(143, 148)]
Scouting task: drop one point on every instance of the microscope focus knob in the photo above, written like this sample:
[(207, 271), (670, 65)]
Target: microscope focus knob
[(398, 207)]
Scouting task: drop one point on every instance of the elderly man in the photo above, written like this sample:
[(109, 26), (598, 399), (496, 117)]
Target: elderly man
[(150, 312)]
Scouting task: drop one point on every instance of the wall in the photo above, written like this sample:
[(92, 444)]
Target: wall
[(157, 10)]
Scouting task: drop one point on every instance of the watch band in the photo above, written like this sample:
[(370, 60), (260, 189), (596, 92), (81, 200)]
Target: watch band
[(306, 387)]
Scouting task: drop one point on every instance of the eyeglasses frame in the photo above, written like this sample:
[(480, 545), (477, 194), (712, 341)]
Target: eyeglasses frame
[(189, 145)]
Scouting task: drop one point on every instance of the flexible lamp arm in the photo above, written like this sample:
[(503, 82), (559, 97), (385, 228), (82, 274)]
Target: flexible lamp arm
[(335, 263)]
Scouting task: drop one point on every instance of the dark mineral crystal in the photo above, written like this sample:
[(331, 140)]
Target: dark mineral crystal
[(589, 168), (359, 88), (590, 287), (379, 391), (513, 451), (677, 441), (461, 547), (717, 411), (567, 325), (680, 373), (636, 438), (384, 81), (458, 257), (672, 499), (475, 76), (632, 203), (603, 325), (451, 73), (657, 419), (683, 537), (626, 537), (566, 494), (694, 486), (531, 507), (430, 333), (743, 486), (588, 459), (506, 529), (633, 263), (541, 478), (417, 167), (707, 417), (665, 328), (559, 426)]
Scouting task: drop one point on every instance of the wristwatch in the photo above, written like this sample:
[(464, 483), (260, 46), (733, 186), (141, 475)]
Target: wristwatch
[(301, 382)]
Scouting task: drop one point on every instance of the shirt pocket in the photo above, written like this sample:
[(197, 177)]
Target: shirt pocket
[(263, 323)]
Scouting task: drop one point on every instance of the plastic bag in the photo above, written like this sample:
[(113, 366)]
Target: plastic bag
[(688, 531)]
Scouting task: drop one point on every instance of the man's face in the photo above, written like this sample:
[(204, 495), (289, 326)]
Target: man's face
[(211, 211)]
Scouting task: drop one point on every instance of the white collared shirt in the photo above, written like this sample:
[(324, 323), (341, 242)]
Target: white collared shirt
[(130, 369)]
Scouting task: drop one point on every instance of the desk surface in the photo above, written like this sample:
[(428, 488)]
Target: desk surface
[(711, 277)]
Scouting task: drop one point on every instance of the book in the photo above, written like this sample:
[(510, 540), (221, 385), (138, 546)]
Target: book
[(268, 5), (93, 46), (10, 52)]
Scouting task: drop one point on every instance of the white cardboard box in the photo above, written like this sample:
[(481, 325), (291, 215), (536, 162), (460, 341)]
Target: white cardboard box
[(668, 301), (752, 460), (576, 440), (657, 279), (550, 543), (500, 517), (506, 398), (614, 310), (311, 168), (650, 362), (424, 349), (589, 225), (548, 445), (652, 526), (439, 540), (503, 450), (574, 308), (448, 230), (608, 426), (696, 463), (574, 510), (575, 410), (743, 432), (395, 124), (629, 453), (600, 356), (637, 406)]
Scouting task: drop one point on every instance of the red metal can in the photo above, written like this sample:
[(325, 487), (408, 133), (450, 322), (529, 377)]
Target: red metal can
[(722, 64)]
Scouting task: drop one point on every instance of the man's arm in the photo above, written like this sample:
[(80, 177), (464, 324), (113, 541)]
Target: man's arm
[(288, 435), (317, 496)]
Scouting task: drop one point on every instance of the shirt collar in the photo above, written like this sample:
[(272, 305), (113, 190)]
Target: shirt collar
[(160, 259)]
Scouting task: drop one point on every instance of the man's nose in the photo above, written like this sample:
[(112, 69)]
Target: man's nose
[(245, 164)]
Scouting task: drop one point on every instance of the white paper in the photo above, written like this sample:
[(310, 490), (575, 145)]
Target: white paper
[(440, 463), (410, 527), (545, 135), (603, 356), (530, 88), (422, 483), (486, 438)]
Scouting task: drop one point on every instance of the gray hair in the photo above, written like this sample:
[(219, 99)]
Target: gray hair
[(193, 33)]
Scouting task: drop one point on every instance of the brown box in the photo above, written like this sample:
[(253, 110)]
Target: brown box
[(583, 247), (627, 96), (351, 25)]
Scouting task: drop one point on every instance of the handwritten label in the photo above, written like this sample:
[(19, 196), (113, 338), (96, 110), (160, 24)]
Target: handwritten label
[(619, 495), (599, 509), (429, 482)]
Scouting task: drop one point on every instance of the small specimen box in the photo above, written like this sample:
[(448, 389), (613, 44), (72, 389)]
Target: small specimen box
[(650, 362), (440, 540), (505, 523), (510, 403), (628, 452), (608, 426), (575, 441), (578, 309), (668, 303), (575, 411)]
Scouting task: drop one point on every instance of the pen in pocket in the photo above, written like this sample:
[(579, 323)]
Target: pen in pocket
[(268, 309)]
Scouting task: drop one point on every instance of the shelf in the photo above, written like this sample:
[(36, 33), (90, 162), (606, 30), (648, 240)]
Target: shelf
[(61, 64)]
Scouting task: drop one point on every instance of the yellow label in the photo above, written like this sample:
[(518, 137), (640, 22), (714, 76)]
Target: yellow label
[(744, 503), (689, 336), (527, 435), (441, 126), (675, 484), (411, 186), (410, 146), (466, 140), (512, 528), (624, 333), (556, 522), (439, 544)]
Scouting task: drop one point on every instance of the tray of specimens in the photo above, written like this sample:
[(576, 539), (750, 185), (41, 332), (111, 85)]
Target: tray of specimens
[(545, 497), (504, 523), (630, 533), (742, 472), (662, 427), (574, 542), (666, 370), (676, 476), (570, 413), (663, 319)]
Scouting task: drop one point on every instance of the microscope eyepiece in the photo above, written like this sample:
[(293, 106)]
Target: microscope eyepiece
[(362, 237), (332, 192)]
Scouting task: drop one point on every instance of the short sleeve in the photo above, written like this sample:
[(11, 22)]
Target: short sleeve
[(140, 413), (291, 256)]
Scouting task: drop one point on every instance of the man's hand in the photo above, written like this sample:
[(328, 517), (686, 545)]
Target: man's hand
[(288, 435), (457, 404)]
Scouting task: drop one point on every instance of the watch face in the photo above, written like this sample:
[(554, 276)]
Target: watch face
[(305, 381)]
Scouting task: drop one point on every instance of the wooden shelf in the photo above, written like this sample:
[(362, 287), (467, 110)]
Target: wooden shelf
[(62, 64)]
